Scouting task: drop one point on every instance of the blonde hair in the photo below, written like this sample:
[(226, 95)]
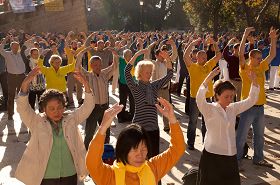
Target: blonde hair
[(53, 58), (140, 65)]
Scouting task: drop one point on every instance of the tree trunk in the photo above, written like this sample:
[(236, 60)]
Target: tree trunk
[(247, 12), (216, 17), (260, 14)]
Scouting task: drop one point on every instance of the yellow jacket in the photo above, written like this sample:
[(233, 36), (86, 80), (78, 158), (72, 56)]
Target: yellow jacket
[(56, 80)]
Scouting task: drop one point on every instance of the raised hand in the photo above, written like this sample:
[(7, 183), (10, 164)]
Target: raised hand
[(166, 109), (31, 75), (273, 34), (44, 53), (81, 78), (249, 30), (211, 75), (253, 77), (108, 117), (215, 72)]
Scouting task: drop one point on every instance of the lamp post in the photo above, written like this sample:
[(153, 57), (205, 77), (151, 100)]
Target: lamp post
[(141, 3), (89, 17)]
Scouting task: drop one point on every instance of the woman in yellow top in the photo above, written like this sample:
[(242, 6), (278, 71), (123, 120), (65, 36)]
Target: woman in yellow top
[(132, 166), (55, 74)]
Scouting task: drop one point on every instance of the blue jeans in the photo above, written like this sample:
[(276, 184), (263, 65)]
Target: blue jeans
[(193, 116), (254, 116)]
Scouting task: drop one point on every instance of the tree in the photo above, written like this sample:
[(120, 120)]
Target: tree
[(157, 14), (234, 15)]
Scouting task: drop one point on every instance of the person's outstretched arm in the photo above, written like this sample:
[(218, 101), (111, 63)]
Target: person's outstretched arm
[(84, 111), (203, 106), (79, 58), (27, 114), (100, 172), (253, 97), (272, 52), (187, 52), (242, 46), (128, 77), (162, 163)]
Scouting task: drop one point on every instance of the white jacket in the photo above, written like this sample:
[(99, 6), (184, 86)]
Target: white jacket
[(32, 166)]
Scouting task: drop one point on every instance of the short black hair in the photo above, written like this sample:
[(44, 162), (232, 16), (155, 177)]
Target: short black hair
[(51, 94), (157, 51), (129, 138)]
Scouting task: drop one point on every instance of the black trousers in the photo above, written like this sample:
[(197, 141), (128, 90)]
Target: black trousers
[(217, 169), (32, 97), (154, 138), (71, 180), (182, 77), (14, 81), (188, 95), (91, 123), (4, 86), (125, 92)]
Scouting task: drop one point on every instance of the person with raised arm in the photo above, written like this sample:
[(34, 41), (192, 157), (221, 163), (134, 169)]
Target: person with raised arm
[(55, 74), (132, 165), (254, 115), (98, 81), (218, 163), (145, 93), (198, 71), (55, 153)]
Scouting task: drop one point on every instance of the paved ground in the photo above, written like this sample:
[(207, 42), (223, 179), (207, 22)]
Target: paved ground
[(14, 136)]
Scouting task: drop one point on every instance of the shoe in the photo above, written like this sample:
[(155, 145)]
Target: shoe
[(278, 88), (191, 147), (271, 89), (120, 120), (81, 102), (70, 105), (10, 117), (263, 163), (166, 129)]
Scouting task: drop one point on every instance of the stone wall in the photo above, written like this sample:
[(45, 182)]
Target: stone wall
[(72, 18)]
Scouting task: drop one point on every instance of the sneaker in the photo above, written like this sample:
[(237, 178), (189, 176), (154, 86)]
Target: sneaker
[(120, 120), (191, 147), (10, 117), (263, 163), (81, 102), (166, 129), (70, 105)]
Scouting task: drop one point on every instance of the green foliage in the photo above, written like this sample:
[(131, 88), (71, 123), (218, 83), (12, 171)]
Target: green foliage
[(232, 15)]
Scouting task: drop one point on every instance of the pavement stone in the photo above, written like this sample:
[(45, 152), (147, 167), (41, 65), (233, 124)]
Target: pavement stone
[(14, 136)]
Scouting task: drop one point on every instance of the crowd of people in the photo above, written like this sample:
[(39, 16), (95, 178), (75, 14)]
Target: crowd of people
[(50, 67)]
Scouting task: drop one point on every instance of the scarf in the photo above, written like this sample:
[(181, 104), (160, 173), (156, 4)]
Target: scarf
[(144, 172)]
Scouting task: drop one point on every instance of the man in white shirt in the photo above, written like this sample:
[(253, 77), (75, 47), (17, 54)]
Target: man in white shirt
[(15, 72)]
